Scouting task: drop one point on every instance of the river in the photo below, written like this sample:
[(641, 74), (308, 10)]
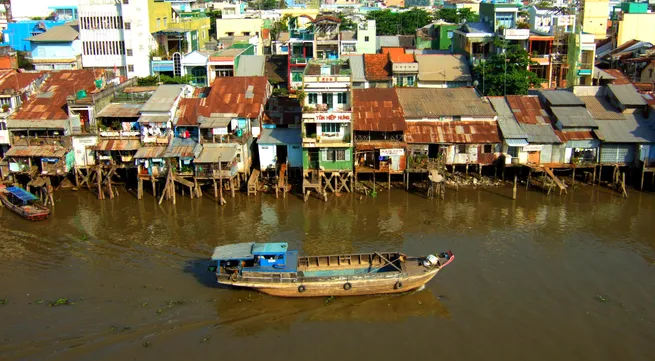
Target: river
[(541, 278)]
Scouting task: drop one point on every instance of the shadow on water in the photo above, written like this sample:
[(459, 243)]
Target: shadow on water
[(249, 313), (199, 268)]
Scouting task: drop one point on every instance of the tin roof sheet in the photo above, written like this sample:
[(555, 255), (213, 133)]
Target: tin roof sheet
[(377, 109), (627, 94), (251, 65), (182, 148), (154, 119), (149, 152), (244, 96), (574, 117), (509, 127), (576, 135), (50, 102), (442, 67), (601, 109), (540, 133), (118, 144), (357, 68), (470, 132), (12, 80), (280, 136), (163, 99), (233, 251), (619, 77), (561, 98), (433, 102), (121, 110), (213, 153), (187, 112), (32, 124), (633, 129), (48, 151)]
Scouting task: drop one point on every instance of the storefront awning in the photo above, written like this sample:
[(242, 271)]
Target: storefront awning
[(516, 142)]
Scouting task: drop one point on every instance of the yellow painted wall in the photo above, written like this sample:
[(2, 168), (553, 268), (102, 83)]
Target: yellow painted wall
[(636, 26), (159, 10), (399, 3), (238, 26), (199, 24), (648, 74), (594, 17)]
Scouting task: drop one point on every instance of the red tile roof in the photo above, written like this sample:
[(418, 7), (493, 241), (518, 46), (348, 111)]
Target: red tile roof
[(377, 110), (527, 109), (467, 132), (50, 102), (397, 55), (377, 67)]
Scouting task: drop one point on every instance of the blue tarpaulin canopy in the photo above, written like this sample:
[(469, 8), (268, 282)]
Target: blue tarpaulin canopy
[(22, 194)]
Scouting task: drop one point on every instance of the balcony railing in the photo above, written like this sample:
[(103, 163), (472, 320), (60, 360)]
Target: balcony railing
[(301, 35), (299, 60)]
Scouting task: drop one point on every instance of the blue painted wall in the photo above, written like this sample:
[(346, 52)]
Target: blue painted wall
[(55, 50), (16, 33)]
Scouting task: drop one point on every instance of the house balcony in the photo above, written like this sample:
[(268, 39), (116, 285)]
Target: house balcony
[(119, 134), (327, 38), (295, 35), (327, 140), (327, 108), (299, 60), (541, 59)]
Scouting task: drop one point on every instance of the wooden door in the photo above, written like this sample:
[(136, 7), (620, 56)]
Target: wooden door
[(534, 157)]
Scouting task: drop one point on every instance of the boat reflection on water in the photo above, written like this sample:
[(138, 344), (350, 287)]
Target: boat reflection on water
[(247, 313)]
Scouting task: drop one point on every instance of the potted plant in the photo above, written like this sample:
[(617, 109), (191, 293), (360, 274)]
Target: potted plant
[(5, 107)]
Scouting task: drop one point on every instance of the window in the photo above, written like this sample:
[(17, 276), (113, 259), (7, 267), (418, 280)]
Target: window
[(341, 98), (330, 127), (513, 151), (158, 22), (203, 34), (410, 80), (487, 149), (506, 20), (325, 98), (366, 38), (340, 154), (165, 21), (230, 33), (296, 76), (461, 149), (129, 52), (329, 155), (128, 26), (313, 98), (130, 68), (246, 33)]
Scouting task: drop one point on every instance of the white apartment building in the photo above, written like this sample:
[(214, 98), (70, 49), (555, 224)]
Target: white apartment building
[(116, 34)]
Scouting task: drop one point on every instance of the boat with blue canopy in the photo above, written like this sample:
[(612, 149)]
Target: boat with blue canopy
[(273, 269), (23, 203)]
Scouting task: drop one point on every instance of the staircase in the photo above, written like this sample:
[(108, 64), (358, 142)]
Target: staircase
[(253, 182), (557, 181)]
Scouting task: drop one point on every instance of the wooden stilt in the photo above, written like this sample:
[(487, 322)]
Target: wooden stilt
[(77, 178), (101, 194), (514, 190), (593, 180), (232, 186), (573, 179), (527, 183), (643, 171), (139, 190), (154, 186), (389, 182), (467, 170), (624, 191), (215, 189)]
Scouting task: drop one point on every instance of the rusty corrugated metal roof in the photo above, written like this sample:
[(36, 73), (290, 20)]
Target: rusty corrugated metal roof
[(49, 151), (619, 77), (377, 110), (432, 102), (50, 102), (244, 96), (578, 135), (379, 144), (149, 152), (601, 109), (528, 109), (13, 80), (118, 144), (469, 132), (187, 111)]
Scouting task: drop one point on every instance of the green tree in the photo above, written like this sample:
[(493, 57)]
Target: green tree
[(264, 4), (346, 23), (24, 61), (506, 73), (402, 23), (213, 15), (457, 16)]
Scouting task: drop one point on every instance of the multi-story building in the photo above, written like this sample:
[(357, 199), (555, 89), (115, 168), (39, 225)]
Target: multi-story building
[(326, 120), (326, 37), (59, 48), (594, 16), (634, 21), (124, 36)]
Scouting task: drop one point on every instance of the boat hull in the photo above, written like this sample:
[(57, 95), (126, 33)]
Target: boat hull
[(33, 213), (338, 287)]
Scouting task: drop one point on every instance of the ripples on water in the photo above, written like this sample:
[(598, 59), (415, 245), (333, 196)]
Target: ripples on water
[(539, 278)]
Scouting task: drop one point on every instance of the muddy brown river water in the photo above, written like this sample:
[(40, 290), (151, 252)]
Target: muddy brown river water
[(540, 278)]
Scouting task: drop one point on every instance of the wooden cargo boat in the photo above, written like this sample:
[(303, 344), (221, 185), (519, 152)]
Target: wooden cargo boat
[(23, 203), (272, 269)]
